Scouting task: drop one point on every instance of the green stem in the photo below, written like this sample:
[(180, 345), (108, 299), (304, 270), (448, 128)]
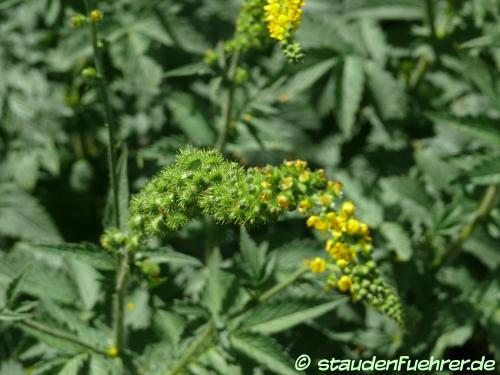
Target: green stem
[(119, 302), (108, 113), (485, 207), (429, 8), (228, 103), (283, 285), (192, 349), (61, 335), (123, 259)]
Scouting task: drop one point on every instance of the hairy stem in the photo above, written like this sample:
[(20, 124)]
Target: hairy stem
[(119, 301), (108, 113), (119, 296), (485, 207), (228, 103), (192, 349), (283, 285), (61, 335)]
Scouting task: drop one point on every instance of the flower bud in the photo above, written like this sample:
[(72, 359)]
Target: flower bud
[(96, 16)]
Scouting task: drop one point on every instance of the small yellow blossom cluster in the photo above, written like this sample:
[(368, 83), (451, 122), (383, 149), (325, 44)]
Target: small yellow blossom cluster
[(283, 17)]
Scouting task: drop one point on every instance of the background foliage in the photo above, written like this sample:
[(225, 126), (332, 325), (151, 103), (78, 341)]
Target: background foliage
[(398, 99)]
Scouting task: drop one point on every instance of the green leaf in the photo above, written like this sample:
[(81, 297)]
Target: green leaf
[(21, 216), (452, 337), (14, 287), (215, 289), (73, 366), (488, 172), (306, 77), (252, 256), (350, 93), (190, 120), (87, 281), (405, 10), (399, 241), (10, 367), (87, 253), (485, 129), (6, 315), (282, 315), (138, 312), (264, 351), (169, 256), (199, 68), (388, 93)]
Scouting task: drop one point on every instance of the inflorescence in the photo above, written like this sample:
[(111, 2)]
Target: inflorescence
[(261, 21), (202, 182)]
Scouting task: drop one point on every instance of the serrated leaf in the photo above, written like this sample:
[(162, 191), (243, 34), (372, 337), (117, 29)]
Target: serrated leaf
[(138, 312), (482, 128), (251, 254), (350, 93), (452, 337), (399, 241), (215, 289), (264, 351), (6, 315), (488, 172), (169, 256), (87, 253), (306, 77), (15, 286), (279, 316), (73, 366), (21, 216), (199, 68), (190, 120), (388, 93), (87, 281)]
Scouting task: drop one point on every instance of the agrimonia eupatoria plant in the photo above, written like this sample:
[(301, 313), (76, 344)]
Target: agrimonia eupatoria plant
[(202, 181), (261, 21)]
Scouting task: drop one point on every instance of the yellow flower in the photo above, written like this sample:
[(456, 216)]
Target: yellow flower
[(353, 226), (286, 183), (304, 176), (265, 184), (348, 208), (283, 201), (311, 221), (305, 205), (332, 217), (335, 187), (364, 230), (302, 164), (342, 263), (322, 225), (96, 16), (326, 199), (130, 306), (282, 16), (317, 265), (344, 283)]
